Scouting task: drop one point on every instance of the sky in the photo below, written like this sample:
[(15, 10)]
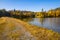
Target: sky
[(29, 5)]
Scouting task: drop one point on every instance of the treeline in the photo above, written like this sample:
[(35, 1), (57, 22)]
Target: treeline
[(28, 14), (17, 13), (54, 12), (50, 13)]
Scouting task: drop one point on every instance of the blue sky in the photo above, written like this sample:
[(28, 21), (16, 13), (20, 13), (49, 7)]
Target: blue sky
[(29, 5)]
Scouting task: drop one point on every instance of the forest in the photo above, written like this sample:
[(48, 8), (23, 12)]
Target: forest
[(29, 14), (16, 29)]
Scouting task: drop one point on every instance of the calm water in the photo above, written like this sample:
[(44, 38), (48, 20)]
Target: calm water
[(50, 23)]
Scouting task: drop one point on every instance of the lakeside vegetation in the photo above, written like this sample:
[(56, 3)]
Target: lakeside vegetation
[(15, 29), (29, 14), (12, 26)]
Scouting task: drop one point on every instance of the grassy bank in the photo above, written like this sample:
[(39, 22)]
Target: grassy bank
[(12, 29), (41, 33)]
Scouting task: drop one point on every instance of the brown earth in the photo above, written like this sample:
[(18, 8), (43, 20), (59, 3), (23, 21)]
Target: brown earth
[(15, 29)]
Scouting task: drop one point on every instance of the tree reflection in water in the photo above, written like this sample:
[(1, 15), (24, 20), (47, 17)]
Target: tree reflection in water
[(42, 21), (27, 19), (49, 23)]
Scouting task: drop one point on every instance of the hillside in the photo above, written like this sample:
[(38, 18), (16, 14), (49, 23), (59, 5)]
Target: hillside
[(15, 29)]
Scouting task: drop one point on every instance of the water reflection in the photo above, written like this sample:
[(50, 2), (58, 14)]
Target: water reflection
[(42, 20), (27, 19), (49, 23)]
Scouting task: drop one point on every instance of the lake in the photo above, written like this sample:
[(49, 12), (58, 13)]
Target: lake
[(49, 23)]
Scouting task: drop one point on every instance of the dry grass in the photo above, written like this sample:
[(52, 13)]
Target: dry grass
[(42, 33), (13, 29)]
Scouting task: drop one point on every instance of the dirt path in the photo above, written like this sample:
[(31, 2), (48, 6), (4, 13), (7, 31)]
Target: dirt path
[(15, 31)]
